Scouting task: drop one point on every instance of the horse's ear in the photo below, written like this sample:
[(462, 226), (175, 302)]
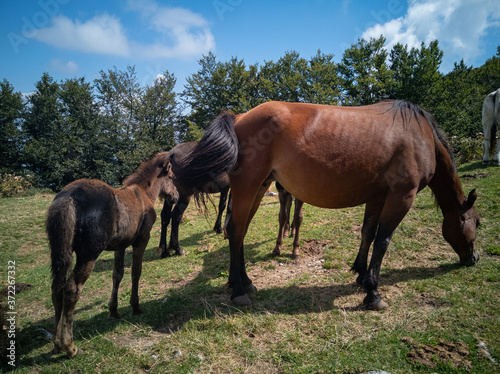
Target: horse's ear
[(168, 167), (471, 199)]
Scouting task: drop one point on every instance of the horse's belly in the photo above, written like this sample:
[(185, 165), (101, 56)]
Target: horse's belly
[(333, 191)]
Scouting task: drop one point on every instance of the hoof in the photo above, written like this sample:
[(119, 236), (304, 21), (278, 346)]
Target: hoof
[(243, 300), (218, 230), (378, 306), (276, 252), (179, 252), (165, 254), (250, 288), (137, 311), (114, 315)]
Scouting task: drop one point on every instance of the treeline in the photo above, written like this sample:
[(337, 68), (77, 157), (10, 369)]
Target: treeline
[(103, 129)]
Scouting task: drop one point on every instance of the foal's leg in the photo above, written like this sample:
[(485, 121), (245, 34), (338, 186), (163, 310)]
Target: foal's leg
[(284, 214), (297, 222), (166, 214), (72, 292), (395, 208), (117, 278), (177, 214), (368, 231), (57, 301), (222, 206)]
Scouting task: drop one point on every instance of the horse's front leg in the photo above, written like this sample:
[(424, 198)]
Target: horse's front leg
[(368, 232), (296, 223), (222, 205), (117, 278), (283, 217), (177, 214), (138, 252), (395, 208), (166, 214)]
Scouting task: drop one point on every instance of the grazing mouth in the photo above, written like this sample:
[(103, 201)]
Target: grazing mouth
[(471, 260)]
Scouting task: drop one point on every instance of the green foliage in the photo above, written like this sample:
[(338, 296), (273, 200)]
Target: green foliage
[(13, 185), (467, 149), (416, 73), (75, 129), (11, 107), (366, 78)]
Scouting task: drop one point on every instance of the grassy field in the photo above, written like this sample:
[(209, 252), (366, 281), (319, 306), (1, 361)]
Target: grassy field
[(307, 315)]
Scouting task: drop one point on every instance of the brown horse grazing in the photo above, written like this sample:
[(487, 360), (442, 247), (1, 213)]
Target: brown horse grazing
[(285, 228), (88, 217), (220, 184), (333, 157)]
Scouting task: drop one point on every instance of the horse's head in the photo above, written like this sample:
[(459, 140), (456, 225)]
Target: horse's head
[(167, 188), (459, 229)]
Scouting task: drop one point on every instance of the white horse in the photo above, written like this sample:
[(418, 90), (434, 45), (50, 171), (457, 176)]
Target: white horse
[(491, 119)]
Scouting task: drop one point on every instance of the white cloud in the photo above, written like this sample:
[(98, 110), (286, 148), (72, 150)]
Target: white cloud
[(183, 32), (59, 66), (458, 25), (179, 33), (102, 34)]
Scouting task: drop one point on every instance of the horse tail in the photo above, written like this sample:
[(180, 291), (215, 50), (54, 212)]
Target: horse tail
[(216, 153), (60, 226)]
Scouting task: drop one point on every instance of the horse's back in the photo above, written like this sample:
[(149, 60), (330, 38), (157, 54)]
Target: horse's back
[(96, 213), (336, 156)]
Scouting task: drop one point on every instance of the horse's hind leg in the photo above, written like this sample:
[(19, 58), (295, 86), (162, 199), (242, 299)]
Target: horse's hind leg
[(296, 223), (368, 231), (58, 302), (117, 278), (72, 291)]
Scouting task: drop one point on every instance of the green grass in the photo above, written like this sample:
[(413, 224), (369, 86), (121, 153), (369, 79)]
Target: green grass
[(307, 315)]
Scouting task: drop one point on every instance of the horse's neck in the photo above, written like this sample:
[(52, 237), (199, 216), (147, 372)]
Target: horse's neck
[(152, 189), (446, 185)]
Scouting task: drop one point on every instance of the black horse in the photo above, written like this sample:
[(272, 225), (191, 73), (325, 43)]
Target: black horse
[(173, 210)]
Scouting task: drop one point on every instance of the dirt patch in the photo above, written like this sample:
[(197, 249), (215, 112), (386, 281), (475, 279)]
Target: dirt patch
[(454, 354), (279, 273)]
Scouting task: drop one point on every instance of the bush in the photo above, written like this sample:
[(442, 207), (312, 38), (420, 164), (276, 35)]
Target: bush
[(12, 185), (467, 149)]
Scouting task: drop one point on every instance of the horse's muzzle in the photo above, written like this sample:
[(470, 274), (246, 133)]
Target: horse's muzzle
[(471, 260)]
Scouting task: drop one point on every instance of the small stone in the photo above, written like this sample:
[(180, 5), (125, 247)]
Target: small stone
[(177, 353)]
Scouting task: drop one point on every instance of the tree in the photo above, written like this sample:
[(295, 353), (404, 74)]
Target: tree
[(459, 109), (217, 87), (366, 78), (42, 128), (158, 116), (416, 74), (322, 83), (118, 97), (11, 108), (284, 79)]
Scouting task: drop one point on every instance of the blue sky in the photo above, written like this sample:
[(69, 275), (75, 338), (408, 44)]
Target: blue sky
[(69, 38)]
